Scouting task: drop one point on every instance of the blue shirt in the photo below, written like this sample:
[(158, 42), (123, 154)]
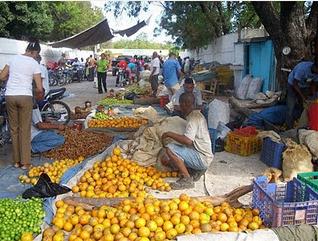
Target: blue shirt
[(132, 66), (302, 73), (170, 72)]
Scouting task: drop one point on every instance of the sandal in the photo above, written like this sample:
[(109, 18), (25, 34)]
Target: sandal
[(17, 165), (25, 166)]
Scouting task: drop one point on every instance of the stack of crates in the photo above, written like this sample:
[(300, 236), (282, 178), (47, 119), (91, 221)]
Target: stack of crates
[(243, 141)]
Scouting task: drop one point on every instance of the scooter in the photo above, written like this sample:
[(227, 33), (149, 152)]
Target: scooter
[(53, 109)]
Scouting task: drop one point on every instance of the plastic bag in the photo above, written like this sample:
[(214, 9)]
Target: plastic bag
[(45, 188), (219, 111), (296, 158), (254, 88), (243, 87)]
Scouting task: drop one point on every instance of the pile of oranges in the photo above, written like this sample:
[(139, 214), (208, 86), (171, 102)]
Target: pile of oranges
[(149, 219), (119, 177), (54, 170), (120, 122)]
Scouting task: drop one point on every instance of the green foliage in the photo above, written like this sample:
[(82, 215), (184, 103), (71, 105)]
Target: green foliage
[(47, 21)]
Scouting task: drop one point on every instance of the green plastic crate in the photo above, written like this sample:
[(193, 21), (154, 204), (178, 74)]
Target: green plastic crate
[(309, 178)]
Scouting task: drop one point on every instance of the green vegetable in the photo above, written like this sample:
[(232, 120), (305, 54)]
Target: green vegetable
[(113, 101), (18, 216)]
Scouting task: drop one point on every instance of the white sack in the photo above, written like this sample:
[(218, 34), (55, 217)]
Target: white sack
[(219, 111), (243, 87), (254, 88)]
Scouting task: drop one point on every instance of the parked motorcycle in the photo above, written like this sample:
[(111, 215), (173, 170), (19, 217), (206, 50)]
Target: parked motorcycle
[(53, 109)]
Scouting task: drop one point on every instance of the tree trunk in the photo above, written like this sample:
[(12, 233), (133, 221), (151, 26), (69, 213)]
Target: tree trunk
[(287, 28)]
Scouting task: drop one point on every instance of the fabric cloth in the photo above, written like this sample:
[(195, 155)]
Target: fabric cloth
[(302, 72), (20, 112), (36, 118), (45, 78), (173, 90), (101, 80), (102, 65), (122, 64), (197, 95), (21, 71), (170, 71), (189, 156), (46, 140), (302, 232), (154, 85), (197, 131), (155, 63)]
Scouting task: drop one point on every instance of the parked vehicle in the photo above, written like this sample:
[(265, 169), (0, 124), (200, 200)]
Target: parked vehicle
[(53, 109)]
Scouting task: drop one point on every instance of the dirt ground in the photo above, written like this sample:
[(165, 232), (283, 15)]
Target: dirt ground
[(226, 172)]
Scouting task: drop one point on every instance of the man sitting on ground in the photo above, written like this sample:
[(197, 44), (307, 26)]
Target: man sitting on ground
[(188, 87), (42, 138), (193, 153)]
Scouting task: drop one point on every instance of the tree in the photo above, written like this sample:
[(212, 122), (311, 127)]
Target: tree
[(138, 43), (22, 20), (47, 21), (292, 24), (72, 17)]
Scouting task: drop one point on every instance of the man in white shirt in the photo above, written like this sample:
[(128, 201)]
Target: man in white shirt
[(44, 76), (155, 69), (42, 136), (194, 151)]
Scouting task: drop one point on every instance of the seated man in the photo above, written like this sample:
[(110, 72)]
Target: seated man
[(194, 151), (42, 139), (188, 87)]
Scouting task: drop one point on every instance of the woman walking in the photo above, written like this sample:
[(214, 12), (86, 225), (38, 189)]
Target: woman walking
[(20, 73), (102, 66)]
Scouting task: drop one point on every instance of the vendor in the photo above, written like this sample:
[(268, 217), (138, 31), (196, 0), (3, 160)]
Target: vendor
[(193, 153), (42, 138), (301, 82), (188, 87)]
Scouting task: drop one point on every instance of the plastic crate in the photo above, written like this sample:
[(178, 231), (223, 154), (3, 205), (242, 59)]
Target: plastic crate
[(291, 203), (272, 152), (310, 179), (242, 145), (213, 135)]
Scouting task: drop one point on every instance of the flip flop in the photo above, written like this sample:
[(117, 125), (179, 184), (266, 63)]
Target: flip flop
[(17, 165)]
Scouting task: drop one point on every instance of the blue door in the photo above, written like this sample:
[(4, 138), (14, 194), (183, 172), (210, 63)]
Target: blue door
[(260, 62)]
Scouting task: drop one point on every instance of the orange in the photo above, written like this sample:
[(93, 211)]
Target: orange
[(144, 232), (222, 217), (132, 236), (185, 219), (68, 226), (108, 237), (140, 222), (59, 203), (167, 225), (160, 236), (152, 225), (180, 228), (253, 226), (84, 234), (159, 221), (171, 233), (224, 227), (194, 215)]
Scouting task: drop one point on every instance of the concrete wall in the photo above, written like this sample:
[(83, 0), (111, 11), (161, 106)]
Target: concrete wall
[(132, 52), (11, 47)]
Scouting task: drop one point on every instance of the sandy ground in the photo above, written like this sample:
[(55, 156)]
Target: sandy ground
[(226, 172)]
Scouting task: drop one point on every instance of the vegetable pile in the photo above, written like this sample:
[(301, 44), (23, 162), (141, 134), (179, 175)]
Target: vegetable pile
[(114, 101), (20, 219), (120, 122), (79, 143)]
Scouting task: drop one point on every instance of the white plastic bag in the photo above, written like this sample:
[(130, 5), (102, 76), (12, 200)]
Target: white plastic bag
[(254, 88), (243, 87), (219, 111)]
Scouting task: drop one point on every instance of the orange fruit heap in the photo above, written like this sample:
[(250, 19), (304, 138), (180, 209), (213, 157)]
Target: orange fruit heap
[(120, 122), (150, 219), (54, 170), (119, 177)]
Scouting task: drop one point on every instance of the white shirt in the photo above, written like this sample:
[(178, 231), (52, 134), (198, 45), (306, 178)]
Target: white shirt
[(21, 71), (155, 63), (197, 131), (45, 78), (36, 118), (197, 97)]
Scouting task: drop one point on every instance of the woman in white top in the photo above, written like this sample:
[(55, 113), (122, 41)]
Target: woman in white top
[(20, 73)]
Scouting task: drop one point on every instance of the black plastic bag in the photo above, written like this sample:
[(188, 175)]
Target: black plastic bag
[(45, 188), (130, 96)]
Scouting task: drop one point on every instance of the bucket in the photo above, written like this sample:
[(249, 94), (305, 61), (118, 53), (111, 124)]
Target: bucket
[(313, 116)]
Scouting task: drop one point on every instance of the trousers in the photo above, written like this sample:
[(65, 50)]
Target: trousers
[(46, 140), (101, 80), (19, 109)]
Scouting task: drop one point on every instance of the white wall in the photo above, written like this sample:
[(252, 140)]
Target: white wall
[(132, 52), (10, 47)]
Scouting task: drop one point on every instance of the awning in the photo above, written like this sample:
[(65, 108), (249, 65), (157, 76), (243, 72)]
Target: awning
[(97, 34)]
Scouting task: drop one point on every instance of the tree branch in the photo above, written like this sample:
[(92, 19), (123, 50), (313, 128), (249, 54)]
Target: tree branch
[(312, 21), (270, 19)]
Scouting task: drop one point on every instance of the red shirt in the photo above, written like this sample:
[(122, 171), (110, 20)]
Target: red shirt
[(122, 64)]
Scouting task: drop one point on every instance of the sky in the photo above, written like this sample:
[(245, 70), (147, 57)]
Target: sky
[(123, 22)]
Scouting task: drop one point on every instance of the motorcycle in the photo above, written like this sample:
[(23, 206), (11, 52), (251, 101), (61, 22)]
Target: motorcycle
[(53, 109), (77, 73)]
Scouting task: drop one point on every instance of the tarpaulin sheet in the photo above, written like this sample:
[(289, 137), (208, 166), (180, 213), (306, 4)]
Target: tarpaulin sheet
[(130, 31), (97, 34)]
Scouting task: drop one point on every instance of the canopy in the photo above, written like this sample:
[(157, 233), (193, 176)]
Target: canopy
[(99, 33)]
